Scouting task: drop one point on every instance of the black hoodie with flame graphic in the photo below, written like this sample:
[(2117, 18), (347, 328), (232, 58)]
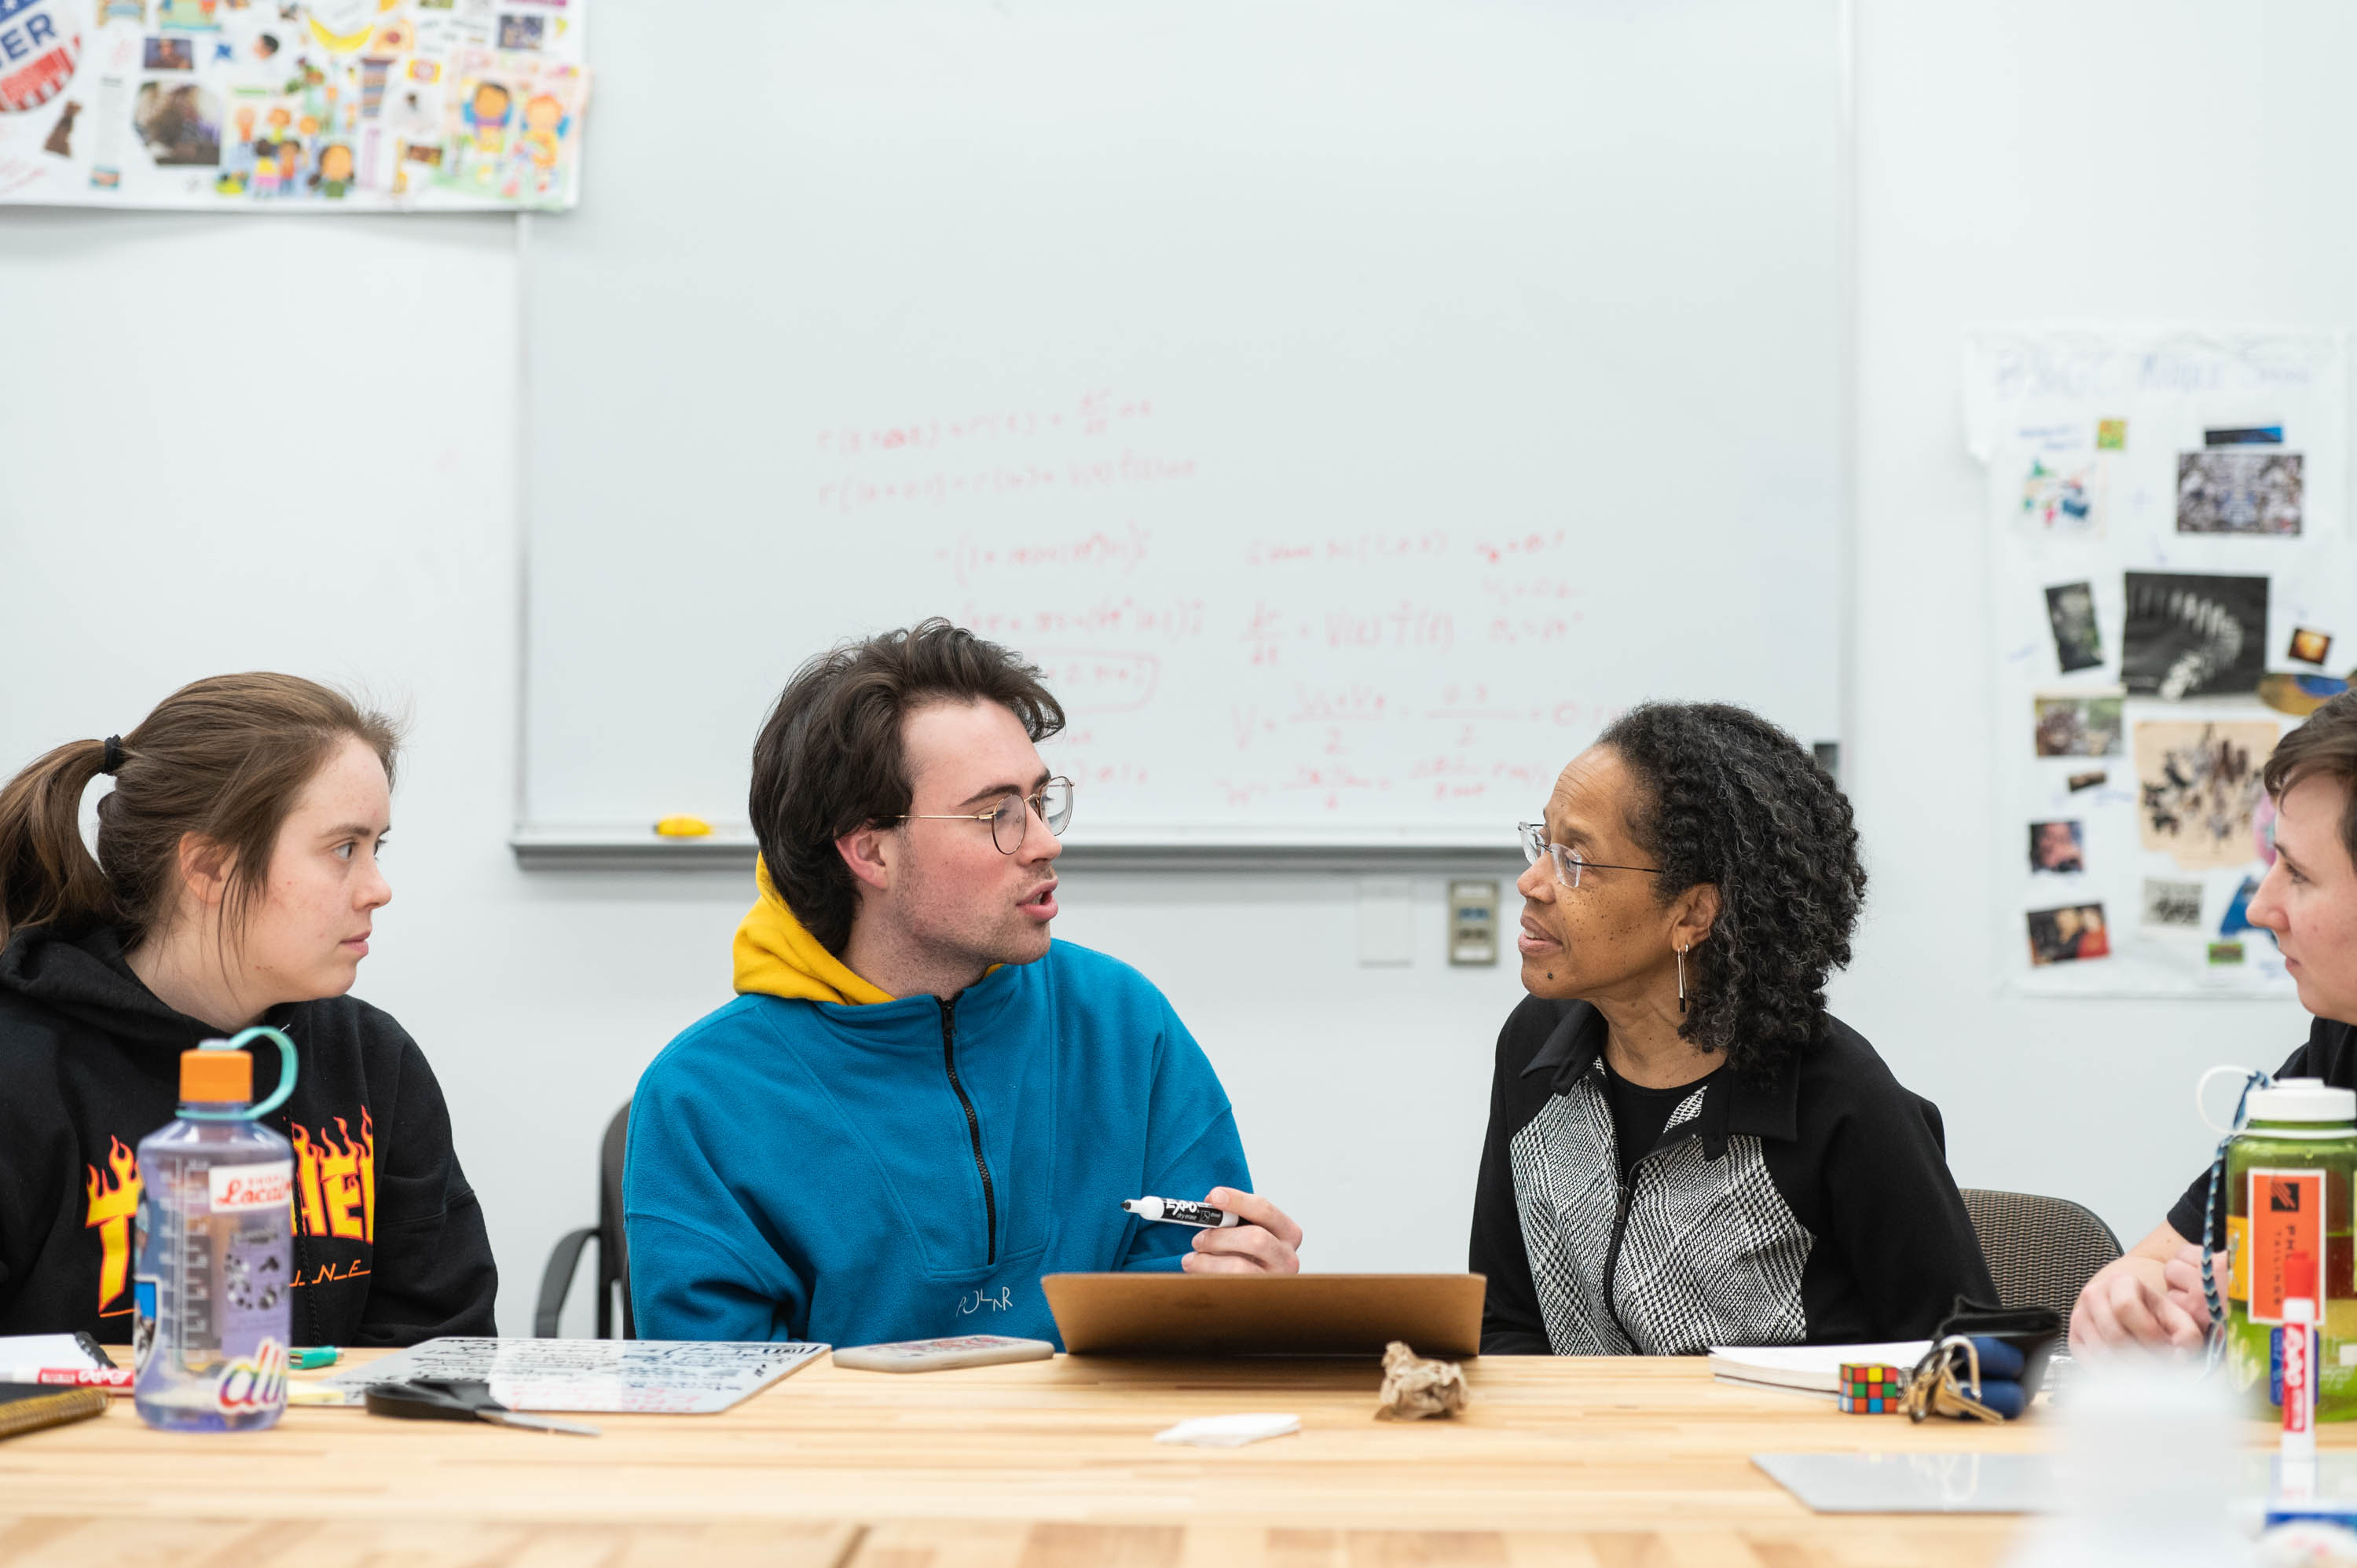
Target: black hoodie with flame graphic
[(389, 1240)]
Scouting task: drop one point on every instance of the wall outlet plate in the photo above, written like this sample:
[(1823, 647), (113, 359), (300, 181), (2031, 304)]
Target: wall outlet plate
[(1472, 922)]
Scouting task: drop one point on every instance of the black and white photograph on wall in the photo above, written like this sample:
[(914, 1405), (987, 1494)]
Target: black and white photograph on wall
[(2071, 611), (2245, 489), (2188, 635), (2058, 847), (2175, 905)]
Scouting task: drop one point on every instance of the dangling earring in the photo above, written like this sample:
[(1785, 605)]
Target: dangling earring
[(1682, 977)]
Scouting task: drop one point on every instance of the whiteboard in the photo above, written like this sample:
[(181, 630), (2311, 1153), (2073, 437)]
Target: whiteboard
[(1351, 407)]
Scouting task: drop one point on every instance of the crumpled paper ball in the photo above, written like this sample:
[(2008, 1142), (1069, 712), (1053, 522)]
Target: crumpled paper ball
[(1415, 1388)]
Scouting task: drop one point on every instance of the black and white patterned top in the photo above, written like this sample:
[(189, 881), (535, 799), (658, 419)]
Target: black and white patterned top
[(1813, 1208)]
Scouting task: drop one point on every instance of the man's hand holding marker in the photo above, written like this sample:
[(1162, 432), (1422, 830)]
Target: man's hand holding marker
[(1236, 1232)]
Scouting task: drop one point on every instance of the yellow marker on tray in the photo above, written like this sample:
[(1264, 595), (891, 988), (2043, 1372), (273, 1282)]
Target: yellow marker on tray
[(684, 828)]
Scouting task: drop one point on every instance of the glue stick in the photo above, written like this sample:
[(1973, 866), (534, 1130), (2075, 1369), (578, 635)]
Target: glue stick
[(2299, 1357)]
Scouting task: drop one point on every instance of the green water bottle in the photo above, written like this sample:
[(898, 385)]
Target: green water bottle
[(2291, 1190)]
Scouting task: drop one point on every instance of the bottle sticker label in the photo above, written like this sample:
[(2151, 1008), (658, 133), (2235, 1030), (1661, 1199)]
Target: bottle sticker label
[(143, 1322), (2286, 1216), (253, 1383), (252, 1187), (2234, 1262)]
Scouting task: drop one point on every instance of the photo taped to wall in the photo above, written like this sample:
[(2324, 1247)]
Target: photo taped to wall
[(179, 124), (2245, 490), (2071, 612), (2058, 846), (2078, 726), (2199, 788), (2192, 636), (2063, 494), (2177, 905), (2067, 935)]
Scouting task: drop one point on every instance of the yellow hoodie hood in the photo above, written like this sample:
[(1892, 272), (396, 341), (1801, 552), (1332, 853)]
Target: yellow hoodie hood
[(777, 956)]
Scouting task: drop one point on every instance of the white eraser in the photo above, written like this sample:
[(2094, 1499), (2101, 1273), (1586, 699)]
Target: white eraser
[(1229, 1431)]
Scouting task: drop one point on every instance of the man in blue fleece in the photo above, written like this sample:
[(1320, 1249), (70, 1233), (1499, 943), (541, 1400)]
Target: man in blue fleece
[(918, 1103)]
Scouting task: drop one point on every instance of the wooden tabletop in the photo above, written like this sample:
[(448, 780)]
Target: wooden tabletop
[(1608, 1463)]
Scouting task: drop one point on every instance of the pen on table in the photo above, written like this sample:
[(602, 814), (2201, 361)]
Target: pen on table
[(75, 1377), (1175, 1211)]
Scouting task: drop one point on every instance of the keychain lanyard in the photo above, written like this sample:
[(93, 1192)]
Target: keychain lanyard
[(2252, 1078), (277, 1096)]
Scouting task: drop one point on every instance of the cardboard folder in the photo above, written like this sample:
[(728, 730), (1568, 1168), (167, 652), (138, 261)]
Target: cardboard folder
[(1150, 1314)]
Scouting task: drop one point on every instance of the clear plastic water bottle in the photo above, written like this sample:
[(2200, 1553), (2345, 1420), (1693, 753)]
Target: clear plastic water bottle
[(214, 1280)]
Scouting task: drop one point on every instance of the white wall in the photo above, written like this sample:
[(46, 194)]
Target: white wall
[(230, 442), (2024, 161)]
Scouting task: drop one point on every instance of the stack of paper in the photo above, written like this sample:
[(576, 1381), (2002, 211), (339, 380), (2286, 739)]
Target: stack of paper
[(1806, 1369)]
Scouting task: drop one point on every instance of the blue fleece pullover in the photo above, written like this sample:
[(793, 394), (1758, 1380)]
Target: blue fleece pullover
[(807, 1170)]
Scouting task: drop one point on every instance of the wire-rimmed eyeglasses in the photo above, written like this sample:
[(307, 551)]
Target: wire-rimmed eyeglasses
[(1568, 862), (1011, 817)]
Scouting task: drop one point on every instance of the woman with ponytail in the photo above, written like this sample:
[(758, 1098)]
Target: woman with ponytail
[(235, 883)]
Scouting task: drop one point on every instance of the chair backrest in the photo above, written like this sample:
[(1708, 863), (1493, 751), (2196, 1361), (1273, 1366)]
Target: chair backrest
[(2041, 1250), (613, 1245)]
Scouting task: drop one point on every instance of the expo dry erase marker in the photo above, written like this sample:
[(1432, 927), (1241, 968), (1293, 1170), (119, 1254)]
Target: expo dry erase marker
[(2296, 1355), (1171, 1211)]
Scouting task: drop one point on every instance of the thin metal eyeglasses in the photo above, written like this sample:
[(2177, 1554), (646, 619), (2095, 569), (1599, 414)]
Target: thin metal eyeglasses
[(1011, 817), (1568, 862)]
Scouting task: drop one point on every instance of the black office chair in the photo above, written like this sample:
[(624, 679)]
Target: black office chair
[(2041, 1250), (613, 1247)]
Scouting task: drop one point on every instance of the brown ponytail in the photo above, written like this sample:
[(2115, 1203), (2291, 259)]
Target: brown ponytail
[(223, 758)]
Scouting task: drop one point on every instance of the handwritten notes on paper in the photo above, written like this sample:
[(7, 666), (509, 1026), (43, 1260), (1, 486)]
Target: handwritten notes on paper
[(646, 1377)]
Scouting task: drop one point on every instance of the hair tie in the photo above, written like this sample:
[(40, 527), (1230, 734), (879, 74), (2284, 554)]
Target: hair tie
[(113, 758)]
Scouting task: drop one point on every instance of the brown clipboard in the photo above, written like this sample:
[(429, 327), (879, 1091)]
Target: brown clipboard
[(1152, 1313)]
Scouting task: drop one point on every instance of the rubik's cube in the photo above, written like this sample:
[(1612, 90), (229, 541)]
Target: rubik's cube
[(1870, 1388)]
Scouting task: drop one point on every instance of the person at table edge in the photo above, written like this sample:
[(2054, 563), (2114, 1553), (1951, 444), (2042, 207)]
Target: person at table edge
[(919, 1105), (2308, 901), (1685, 1148), (236, 881)]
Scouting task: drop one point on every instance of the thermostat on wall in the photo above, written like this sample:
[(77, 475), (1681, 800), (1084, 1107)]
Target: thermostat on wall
[(1472, 922)]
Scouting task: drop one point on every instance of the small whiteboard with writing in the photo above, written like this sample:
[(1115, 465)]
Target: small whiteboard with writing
[(639, 1377)]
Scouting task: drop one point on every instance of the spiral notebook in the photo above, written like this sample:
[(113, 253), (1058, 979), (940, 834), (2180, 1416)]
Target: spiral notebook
[(28, 1407)]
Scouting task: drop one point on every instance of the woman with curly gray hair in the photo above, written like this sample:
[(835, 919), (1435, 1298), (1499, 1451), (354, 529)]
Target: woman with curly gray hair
[(1685, 1149)]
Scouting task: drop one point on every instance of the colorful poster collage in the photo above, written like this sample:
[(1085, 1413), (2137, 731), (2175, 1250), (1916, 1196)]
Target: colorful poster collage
[(317, 105), (2170, 570)]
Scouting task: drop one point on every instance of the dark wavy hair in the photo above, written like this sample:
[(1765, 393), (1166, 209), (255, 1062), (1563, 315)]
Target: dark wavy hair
[(829, 760), (1727, 797)]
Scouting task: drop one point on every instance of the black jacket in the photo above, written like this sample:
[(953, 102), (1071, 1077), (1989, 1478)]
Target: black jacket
[(2331, 1054), (1814, 1208), (389, 1246)]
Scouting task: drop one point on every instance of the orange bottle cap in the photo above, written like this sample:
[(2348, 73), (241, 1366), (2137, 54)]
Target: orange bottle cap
[(216, 1078)]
